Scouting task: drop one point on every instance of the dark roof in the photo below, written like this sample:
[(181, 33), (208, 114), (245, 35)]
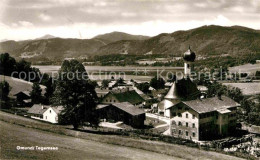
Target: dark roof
[(100, 106), (128, 96), (210, 104), (26, 93), (129, 108), (187, 90), (37, 109)]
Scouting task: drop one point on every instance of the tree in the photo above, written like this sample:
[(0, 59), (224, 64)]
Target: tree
[(157, 83), (50, 87), (36, 93), (77, 95), (144, 87), (7, 64), (105, 83), (4, 92)]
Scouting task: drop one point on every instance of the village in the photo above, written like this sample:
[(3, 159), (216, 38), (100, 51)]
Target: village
[(180, 109)]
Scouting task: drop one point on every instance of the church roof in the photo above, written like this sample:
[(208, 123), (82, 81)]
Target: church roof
[(173, 92)]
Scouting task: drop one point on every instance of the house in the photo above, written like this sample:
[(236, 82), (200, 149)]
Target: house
[(192, 117), (119, 95), (124, 111), (203, 119), (45, 113), (101, 92), (23, 98)]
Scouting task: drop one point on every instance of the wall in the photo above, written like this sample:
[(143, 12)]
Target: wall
[(110, 98), (50, 116), (190, 120)]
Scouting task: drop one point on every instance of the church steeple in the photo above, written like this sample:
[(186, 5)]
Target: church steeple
[(189, 57)]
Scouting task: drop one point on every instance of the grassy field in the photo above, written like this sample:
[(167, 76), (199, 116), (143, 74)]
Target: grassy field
[(18, 85), (246, 88), (251, 68), (179, 151)]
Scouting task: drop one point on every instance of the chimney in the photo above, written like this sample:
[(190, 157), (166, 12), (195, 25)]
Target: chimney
[(219, 96), (42, 106)]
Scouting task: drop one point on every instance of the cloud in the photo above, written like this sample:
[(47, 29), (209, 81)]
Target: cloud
[(25, 23), (44, 17)]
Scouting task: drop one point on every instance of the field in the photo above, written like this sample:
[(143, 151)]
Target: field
[(18, 85), (246, 88), (248, 68), (29, 136)]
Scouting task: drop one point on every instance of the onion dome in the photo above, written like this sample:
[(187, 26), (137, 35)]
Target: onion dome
[(189, 55), (173, 93)]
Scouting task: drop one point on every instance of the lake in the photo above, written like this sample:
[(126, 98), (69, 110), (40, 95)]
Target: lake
[(141, 73)]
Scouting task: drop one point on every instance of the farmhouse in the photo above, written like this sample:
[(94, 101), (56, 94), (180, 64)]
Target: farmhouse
[(23, 98), (203, 119), (124, 111), (192, 117), (45, 113), (119, 95)]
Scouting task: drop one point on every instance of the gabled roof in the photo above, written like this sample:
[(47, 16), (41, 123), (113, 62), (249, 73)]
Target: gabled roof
[(128, 96), (38, 109), (129, 108), (210, 104), (27, 93), (57, 109)]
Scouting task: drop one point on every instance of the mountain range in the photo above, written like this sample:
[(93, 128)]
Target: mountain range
[(206, 40)]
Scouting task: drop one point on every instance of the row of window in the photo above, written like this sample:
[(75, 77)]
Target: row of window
[(110, 100), (187, 124), (180, 132), (180, 115)]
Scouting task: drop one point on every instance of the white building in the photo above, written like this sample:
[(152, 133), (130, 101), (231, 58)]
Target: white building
[(45, 113)]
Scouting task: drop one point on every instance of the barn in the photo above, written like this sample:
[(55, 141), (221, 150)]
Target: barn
[(123, 111)]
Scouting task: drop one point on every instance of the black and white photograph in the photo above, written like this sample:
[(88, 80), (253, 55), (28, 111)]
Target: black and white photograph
[(130, 79)]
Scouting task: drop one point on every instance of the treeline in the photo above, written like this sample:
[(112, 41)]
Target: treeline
[(249, 110), (226, 61), (21, 69)]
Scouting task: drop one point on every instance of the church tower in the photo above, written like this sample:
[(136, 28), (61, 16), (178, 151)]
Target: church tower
[(189, 57)]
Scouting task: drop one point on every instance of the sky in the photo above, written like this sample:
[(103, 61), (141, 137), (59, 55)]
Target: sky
[(29, 19)]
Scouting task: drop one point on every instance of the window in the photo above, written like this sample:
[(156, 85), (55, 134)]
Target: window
[(180, 108), (193, 134), (179, 115), (50, 111), (179, 131), (187, 116), (106, 100), (179, 124), (114, 100), (187, 133), (193, 116), (187, 124), (110, 100), (45, 117), (193, 125)]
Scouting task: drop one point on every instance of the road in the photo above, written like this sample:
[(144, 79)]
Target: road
[(12, 136)]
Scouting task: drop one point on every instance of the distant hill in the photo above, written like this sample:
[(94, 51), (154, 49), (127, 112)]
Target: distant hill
[(118, 36), (47, 36), (206, 40), (51, 48)]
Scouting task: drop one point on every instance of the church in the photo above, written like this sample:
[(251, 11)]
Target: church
[(195, 118)]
